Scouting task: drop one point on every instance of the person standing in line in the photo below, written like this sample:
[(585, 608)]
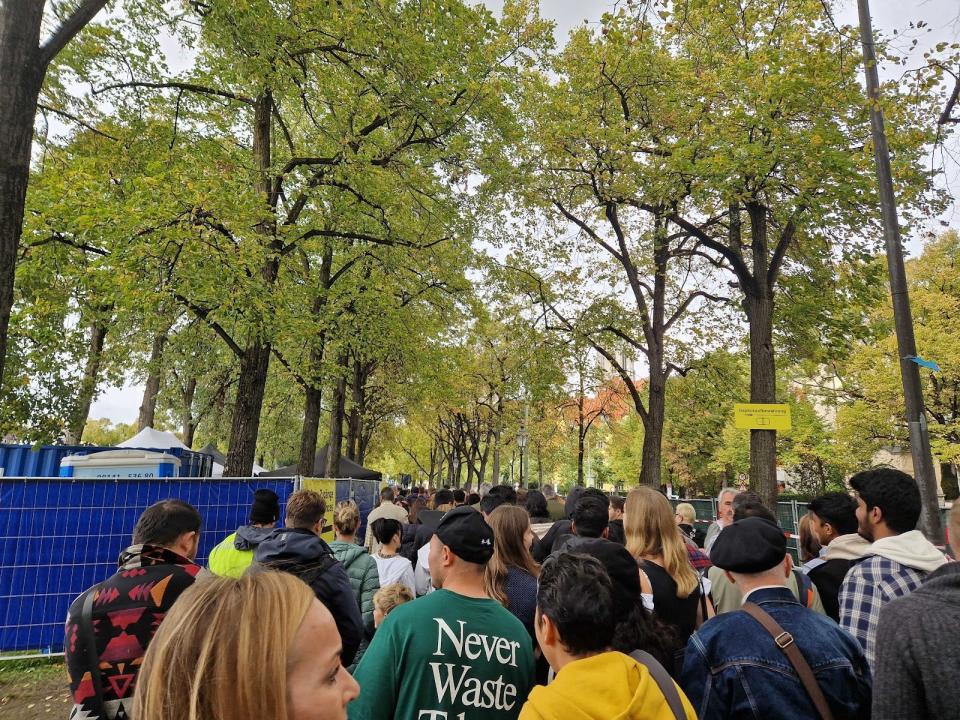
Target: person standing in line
[(537, 507), (361, 569), (575, 621), (899, 557), (555, 508), (455, 653), (110, 626), (386, 509), (391, 565), (917, 649), (253, 648), (724, 516), (387, 598), (511, 576), (686, 516), (661, 553), (299, 550), (615, 531), (833, 519), (235, 553)]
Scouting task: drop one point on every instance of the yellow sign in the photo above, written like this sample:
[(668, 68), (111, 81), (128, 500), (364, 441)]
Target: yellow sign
[(327, 488), (761, 416)]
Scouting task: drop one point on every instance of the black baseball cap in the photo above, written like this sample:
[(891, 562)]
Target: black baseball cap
[(467, 534)]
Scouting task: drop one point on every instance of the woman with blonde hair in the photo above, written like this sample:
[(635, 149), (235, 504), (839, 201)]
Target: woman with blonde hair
[(511, 575), (260, 647), (361, 569), (657, 545)]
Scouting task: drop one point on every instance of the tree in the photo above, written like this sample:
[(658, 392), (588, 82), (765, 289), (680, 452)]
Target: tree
[(24, 61)]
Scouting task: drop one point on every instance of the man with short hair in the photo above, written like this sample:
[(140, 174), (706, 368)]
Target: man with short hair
[(441, 501), (574, 624), (918, 653), (589, 521), (735, 667), (833, 519), (455, 653), (386, 509), (299, 550), (554, 503), (616, 532), (234, 554), (897, 561), (110, 625), (459, 497), (724, 516), (559, 531), (497, 495)]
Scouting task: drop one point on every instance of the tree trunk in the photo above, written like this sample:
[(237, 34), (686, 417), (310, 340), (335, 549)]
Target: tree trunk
[(337, 407), (495, 468), (187, 423), (357, 388), (310, 431), (763, 389), (657, 383), (245, 425), (314, 394), (148, 406), (21, 77), (653, 433), (88, 385)]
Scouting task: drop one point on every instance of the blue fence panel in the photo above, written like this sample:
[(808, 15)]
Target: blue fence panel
[(364, 493), (59, 536)]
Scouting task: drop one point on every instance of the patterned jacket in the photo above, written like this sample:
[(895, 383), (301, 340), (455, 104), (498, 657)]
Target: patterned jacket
[(127, 609), (868, 586)]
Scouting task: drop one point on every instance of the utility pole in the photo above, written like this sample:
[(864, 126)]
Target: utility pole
[(923, 471)]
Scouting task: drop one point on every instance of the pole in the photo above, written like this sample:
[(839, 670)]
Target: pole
[(906, 345)]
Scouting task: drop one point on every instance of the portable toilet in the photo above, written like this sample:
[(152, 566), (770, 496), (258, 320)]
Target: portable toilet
[(136, 464)]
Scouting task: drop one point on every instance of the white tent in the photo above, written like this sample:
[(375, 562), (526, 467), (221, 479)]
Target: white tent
[(150, 438), (218, 470)]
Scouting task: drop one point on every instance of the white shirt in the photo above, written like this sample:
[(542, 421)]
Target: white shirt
[(395, 568), (421, 574)]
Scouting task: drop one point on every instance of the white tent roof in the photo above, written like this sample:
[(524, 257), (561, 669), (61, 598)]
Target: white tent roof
[(150, 438)]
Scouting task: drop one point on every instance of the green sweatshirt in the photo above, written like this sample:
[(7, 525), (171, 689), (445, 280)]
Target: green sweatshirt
[(445, 657)]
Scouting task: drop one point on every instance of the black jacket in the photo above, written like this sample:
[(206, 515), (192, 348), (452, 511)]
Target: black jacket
[(828, 578), (413, 536), (300, 552)]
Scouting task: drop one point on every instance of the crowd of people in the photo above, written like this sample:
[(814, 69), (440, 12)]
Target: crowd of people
[(509, 604)]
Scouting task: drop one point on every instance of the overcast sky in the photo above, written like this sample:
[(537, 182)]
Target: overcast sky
[(941, 16)]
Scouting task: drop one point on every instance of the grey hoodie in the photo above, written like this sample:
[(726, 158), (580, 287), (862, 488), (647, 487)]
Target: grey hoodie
[(249, 536)]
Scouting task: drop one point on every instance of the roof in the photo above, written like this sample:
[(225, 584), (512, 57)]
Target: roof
[(347, 469), (150, 438)]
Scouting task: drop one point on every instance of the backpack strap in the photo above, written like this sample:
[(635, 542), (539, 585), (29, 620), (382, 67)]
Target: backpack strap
[(664, 682), (804, 587), (93, 704), (784, 641)]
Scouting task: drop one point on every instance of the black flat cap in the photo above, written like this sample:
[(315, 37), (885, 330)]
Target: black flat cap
[(750, 545), (467, 534)]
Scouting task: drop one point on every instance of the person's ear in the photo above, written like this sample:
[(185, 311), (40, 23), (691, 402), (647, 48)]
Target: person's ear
[(446, 557), (730, 577), (547, 632), (875, 515), (318, 528), (787, 565), (606, 533)]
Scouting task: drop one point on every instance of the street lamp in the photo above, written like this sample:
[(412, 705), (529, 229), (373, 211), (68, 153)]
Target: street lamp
[(522, 439)]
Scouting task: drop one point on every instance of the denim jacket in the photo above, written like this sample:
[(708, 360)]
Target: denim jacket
[(733, 668)]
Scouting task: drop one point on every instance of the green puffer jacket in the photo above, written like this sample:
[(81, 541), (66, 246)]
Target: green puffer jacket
[(365, 581)]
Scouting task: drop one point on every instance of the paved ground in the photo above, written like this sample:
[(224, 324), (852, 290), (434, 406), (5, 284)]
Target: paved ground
[(32, 688)]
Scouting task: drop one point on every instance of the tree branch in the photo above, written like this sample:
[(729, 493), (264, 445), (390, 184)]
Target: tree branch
[(174, 85), (78, 121), (68, 30), (204, 314)]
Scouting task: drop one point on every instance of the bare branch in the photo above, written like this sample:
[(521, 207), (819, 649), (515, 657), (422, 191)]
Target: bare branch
[(78, 121), (68, 30), (174, 85)]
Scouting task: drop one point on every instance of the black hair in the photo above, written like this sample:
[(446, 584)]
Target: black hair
[(473, 498), (576, 593), (590, 517), (459, 496), (894, 492), (537, 505), (443, 497), (838, 509), (491, 501), (748, 504), (508, 494), (384, 529), (597, 493), (163, 522)]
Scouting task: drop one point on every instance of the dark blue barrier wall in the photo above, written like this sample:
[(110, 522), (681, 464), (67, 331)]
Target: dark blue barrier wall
[(44, 461), (59, 536), (364, 493)]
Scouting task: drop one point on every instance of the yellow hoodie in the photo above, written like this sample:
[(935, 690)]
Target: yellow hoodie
[(609, 686)]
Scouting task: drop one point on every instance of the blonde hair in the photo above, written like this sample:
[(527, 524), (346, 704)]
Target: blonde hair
[(687, 512), (346, 517), (390, 596), (650, 529), (509, 524), (212, 659), (809, 545)]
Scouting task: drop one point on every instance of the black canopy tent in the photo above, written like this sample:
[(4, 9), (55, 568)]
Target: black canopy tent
[(214, 452), (347, 469)]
